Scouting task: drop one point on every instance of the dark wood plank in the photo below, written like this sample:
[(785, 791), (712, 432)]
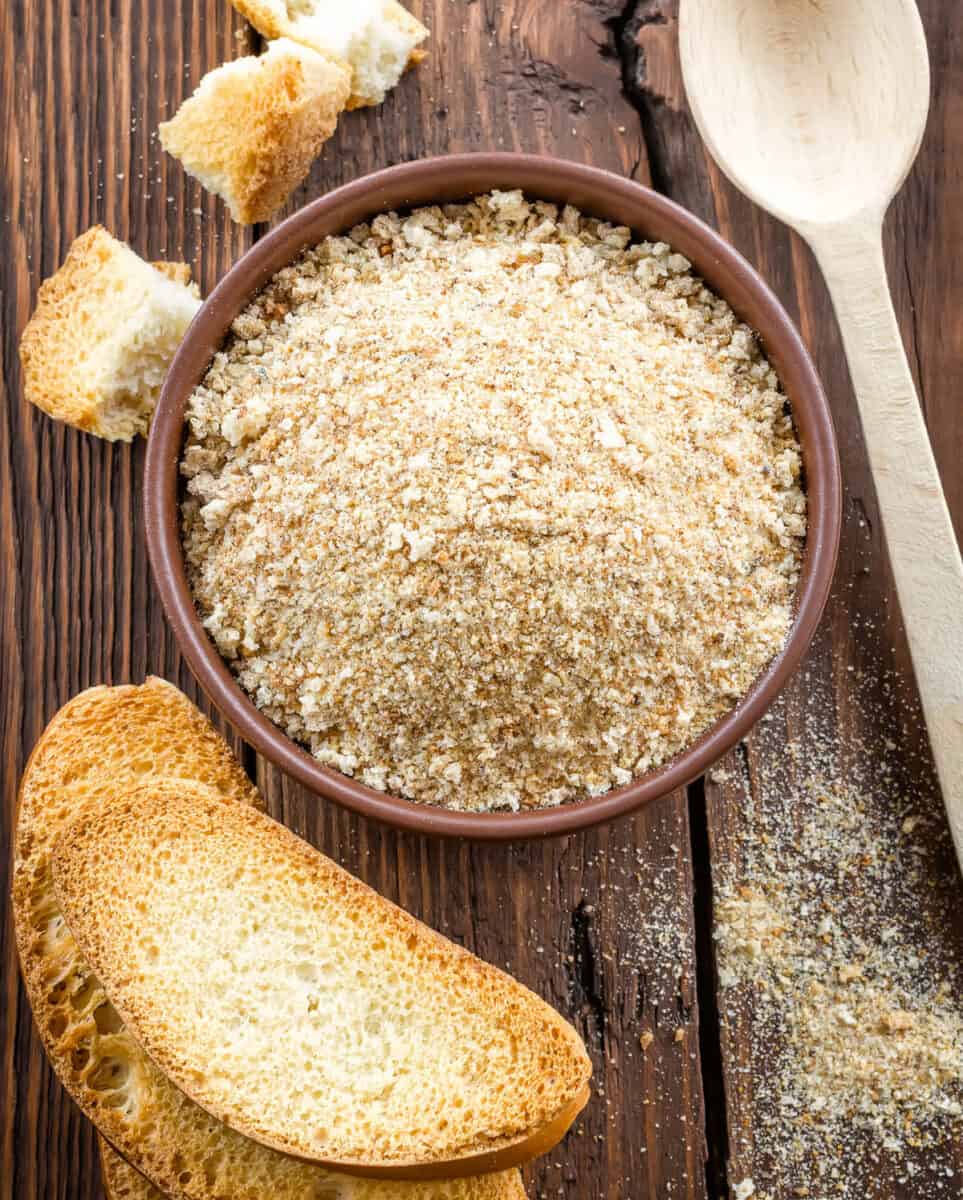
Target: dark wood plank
[(852, 715), (82, 89), (600, 925)]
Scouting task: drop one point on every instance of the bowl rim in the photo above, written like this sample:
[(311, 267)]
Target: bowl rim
[(438, 180)]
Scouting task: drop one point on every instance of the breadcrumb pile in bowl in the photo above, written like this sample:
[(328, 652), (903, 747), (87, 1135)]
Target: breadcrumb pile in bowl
[(402, 506), (491, 506)]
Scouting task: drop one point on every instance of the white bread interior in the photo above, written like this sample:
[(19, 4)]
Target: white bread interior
[(104, 331), (378, 38)]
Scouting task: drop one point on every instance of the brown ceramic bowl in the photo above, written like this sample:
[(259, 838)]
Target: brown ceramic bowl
[(440, 180)]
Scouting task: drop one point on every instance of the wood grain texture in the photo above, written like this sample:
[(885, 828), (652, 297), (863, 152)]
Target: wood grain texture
[(81, 92), (856, 700), (600, 925)]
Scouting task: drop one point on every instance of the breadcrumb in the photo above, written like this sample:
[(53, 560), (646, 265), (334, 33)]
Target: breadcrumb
[(490, 507)]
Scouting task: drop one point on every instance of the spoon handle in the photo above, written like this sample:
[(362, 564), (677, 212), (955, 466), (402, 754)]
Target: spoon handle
[(923, 551)]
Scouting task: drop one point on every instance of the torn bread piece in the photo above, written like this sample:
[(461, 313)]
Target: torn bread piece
[(223, 940), (120, 738), (106, 326), (179, 273), (254, 126), (378, 38)]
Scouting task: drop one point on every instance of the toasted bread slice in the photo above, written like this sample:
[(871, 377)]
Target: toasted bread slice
[(239, 956), (254, 126), (121, 1180), (106, 326), (119, 738), (379, 39)]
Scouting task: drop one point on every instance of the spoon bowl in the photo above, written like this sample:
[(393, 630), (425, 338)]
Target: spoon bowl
[(819, 108)]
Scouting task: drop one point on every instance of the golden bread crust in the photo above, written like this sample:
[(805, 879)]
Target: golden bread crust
[(121, 1180)]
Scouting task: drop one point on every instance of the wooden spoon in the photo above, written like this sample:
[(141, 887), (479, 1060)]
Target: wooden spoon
[(815, 109)]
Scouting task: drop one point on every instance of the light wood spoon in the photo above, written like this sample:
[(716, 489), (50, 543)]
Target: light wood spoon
[(815, 109)]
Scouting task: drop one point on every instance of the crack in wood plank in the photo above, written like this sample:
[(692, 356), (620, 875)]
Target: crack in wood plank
[(863, 595)]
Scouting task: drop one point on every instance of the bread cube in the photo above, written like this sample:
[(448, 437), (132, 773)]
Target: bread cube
[(106, 326), (254, 126)]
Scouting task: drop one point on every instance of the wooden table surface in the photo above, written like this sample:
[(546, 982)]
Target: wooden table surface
[(613, 927)]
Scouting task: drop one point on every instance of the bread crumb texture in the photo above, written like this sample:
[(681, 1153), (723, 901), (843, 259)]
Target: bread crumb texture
[(254, 126), (106, 326), (838, 950), (490, 507), (378, 39), (115, 739), (397, 1047)]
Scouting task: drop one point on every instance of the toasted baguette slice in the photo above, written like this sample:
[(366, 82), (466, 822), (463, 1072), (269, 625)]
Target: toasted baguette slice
[(123, 737), (239, 957), (378, 38), (121, 1180), (254, 126), (106, 326)]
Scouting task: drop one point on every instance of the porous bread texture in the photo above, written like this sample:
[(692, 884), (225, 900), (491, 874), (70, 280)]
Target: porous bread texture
[(399, 1049), (124, 1182), (116, 738), (379, 39), (254, 126), (179, 273), (121, 1180), (106, 326)]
